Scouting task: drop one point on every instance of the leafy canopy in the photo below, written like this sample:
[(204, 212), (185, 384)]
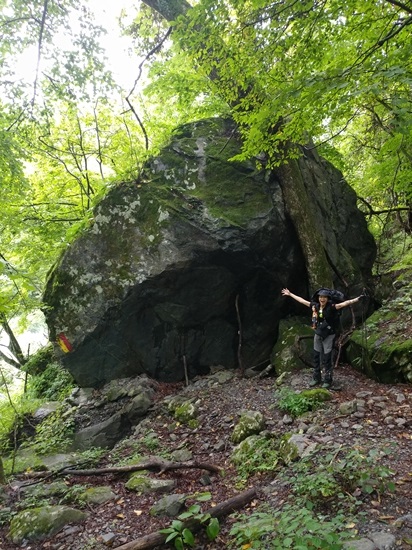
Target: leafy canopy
[(337, 73)]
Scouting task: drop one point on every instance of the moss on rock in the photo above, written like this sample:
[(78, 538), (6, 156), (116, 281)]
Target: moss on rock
[(250, 422), (39, 523)]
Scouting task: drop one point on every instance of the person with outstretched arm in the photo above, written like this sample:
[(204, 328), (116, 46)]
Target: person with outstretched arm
[(325, 322)]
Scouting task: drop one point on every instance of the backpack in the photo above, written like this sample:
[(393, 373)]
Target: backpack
[(335, 296), (324, 329)]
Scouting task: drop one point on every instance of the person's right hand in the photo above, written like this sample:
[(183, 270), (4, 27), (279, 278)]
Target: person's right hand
[(285, 292)]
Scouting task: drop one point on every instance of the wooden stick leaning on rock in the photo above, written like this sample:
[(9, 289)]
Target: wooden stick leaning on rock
[(223, 509)]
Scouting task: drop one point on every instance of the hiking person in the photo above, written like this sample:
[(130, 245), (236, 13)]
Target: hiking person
[(325, 322)]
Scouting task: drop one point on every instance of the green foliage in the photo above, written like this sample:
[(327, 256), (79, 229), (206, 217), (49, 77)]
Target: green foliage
[(256, 455), (179, 531), (324, 492), (54, 433), (293, 527), (132, 450), (74, 495), (12, 416), (38, 362), (54, 383), (297, 404), (338, 475), (91, 457)]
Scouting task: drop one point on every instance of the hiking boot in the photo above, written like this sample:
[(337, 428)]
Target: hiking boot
[(326, 385), (315, 382)]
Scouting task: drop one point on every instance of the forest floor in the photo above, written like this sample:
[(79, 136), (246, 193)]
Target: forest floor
[(382, 422)]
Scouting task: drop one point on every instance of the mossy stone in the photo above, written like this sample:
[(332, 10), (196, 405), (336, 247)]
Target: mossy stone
[(39, 523)]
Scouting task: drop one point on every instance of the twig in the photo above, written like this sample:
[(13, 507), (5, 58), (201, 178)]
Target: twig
[(185, 370), (239, 347)]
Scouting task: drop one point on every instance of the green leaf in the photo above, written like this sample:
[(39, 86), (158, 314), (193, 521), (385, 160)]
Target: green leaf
[(213, 528), (188, 537), (167, 530), (203, 497), (172, 536)]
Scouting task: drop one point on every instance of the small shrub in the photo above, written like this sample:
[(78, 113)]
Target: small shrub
[(334, 476), (54, 383), (294, 527), (297, 404), (74, 495), (54, 433), (362, 470), (181, 535), (12, 416), (255, 455), (40, 360)]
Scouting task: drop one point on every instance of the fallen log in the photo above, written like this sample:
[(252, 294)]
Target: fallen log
[(154, 463), (224, 508)]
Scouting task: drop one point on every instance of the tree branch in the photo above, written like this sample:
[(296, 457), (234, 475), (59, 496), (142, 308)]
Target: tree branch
[(401, 5), (39, 48), (372, 212)]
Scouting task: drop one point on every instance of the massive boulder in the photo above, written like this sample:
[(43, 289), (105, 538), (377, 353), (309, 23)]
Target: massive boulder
[(183, 269)]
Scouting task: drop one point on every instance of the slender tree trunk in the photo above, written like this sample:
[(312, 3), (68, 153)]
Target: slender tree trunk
[(2, 478), (14, 346)]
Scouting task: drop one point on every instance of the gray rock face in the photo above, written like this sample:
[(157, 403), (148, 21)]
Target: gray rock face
[(119, 405), (155, 284)]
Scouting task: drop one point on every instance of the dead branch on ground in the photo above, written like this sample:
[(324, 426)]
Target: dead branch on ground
[(224, 508), (153, 463)]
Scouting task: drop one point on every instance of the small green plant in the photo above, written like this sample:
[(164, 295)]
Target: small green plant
[(132, 451), (91, 457), (361, 470), (12, 415), (297, 404), (54, 383), (54, 433), (294, 527), (256, 455), (74, 495), (316, 486), (150, 441), (179, 533), (335, 475)]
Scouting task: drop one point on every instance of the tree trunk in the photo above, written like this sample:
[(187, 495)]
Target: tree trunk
[(14, 346), (2, 477)]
